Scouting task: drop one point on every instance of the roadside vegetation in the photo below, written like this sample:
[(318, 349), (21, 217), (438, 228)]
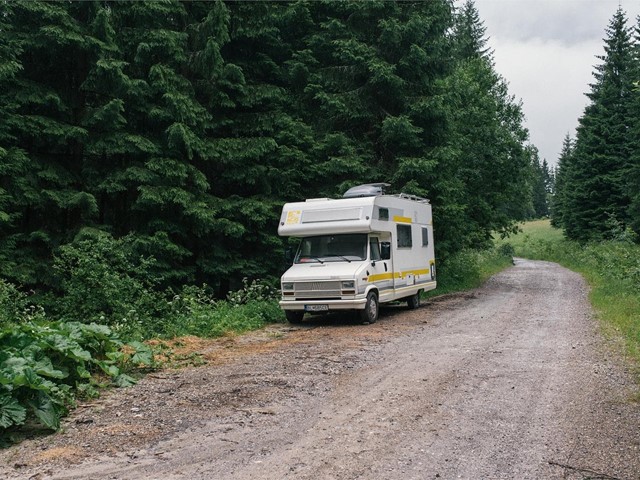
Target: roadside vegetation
[(612, 269), (470, 269), (96, 337)]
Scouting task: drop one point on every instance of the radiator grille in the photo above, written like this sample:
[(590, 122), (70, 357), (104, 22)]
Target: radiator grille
[(317, 289)]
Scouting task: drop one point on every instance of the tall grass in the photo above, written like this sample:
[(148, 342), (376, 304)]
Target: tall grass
[(611, 268), (470, 268)]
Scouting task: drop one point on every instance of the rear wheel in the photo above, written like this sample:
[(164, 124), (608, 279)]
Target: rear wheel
[(370, 312), (294, 316), (414, 301)]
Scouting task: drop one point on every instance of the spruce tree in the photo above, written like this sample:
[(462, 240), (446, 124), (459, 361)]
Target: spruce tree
[(469, 33), (540, 182), (259, 145), (43, 135), (595, 191), (633, 177), (563, 170), (480, 164)]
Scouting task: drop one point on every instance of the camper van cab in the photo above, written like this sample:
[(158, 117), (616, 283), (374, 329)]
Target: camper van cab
[(357, 252)]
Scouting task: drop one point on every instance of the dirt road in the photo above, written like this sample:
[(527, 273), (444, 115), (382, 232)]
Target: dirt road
[(510, 381)]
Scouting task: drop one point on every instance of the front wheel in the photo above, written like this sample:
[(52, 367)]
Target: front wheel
[(370, 312), (294, 316)]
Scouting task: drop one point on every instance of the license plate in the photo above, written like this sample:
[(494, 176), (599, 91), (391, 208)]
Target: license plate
[(316, 308)]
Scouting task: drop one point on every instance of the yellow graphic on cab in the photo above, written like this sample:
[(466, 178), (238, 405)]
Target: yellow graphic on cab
[(293, 217)]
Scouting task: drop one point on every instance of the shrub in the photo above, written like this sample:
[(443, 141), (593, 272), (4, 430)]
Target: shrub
[(469, 268), (506, 250), (257, 290), (12, 304), (102, 280), (195, 312)]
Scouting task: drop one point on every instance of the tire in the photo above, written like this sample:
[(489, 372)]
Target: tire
[(371, 309), (294, 316), (413, 301)]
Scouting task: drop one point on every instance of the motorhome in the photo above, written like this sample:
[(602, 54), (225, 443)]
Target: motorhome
[(357, 252)]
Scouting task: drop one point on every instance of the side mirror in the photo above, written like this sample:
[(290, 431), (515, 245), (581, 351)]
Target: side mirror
[(385, 250), (289, 254)]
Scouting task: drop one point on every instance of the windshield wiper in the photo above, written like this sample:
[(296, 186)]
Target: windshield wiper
[(339, 256)]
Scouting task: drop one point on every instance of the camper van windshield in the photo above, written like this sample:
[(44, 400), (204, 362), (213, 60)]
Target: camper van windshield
[(332, 248)]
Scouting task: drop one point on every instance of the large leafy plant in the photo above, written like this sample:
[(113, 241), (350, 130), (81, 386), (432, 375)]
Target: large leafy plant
[(43, 366)]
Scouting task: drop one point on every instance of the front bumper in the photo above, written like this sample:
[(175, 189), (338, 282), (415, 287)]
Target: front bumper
[(352, 304)]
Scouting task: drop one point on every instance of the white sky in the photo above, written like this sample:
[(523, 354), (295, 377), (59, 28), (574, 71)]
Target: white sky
[(546, 50)]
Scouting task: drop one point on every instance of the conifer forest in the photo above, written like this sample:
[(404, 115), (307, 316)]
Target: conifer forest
[(160, 139)]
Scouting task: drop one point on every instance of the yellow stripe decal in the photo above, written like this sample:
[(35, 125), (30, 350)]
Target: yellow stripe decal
[(391, 275), (398, 218), (380, 276)]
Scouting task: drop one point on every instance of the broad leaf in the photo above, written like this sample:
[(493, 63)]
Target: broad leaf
[(143, 355), (124, 380), (45, 409), (11, 412)]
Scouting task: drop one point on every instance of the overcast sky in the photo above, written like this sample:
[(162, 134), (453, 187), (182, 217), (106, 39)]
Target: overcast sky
[(546, 50)]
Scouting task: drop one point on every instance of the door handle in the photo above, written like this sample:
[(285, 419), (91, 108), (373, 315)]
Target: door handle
[(385, 266)]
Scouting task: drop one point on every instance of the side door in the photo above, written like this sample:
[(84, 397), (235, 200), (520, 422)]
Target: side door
[(380, 268)]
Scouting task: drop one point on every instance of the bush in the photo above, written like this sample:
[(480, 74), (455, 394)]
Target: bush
[(12, 304), (257, 290), (102, 280), (470, 268), (195, 312)]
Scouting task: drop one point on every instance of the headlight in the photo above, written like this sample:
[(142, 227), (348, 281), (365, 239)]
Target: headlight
[(349, 285), (288, 286)]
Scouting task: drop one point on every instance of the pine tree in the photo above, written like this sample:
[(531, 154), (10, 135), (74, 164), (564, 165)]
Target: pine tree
[(595, 191), (259, 147), (565, 160), (480, 165), (43, 135), (184, 126), (633, 177), (15, 185), (540, 184), (469, 34), (156, 183)]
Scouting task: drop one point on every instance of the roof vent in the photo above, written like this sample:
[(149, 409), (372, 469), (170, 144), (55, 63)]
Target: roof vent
[(367, 190)]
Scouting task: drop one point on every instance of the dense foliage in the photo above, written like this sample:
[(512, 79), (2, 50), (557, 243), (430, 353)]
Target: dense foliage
[(597, 191), (149, 145)]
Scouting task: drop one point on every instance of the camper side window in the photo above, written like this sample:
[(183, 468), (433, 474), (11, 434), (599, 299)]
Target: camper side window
[(425, 237), (383, 213), (404, 236)]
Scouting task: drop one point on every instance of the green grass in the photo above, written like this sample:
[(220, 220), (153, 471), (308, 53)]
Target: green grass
[(611, 268), (469, 269)]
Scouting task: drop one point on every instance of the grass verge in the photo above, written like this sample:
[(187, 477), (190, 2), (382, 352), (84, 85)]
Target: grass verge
[(469, 269)]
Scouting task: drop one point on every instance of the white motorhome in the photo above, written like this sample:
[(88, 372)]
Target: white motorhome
[(357, 252)]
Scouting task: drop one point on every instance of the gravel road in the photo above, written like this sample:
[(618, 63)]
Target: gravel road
[(509, 381)]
